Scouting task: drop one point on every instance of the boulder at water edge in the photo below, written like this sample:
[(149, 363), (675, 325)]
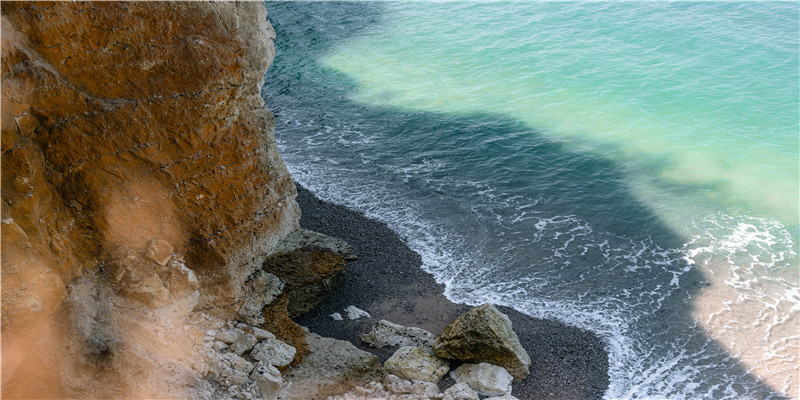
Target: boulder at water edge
[(484, 334)]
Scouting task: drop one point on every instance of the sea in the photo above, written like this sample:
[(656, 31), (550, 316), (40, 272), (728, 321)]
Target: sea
[(630, 168)]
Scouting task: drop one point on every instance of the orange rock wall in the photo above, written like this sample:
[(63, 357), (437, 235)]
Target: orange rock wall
[(124, 122)]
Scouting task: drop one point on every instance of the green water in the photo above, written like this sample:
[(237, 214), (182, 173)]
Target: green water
[(701, 106)]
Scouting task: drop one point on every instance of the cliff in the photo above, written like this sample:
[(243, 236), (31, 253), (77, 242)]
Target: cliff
[(138, 165)]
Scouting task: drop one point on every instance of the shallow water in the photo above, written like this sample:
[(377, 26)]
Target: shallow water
[(628, 168)]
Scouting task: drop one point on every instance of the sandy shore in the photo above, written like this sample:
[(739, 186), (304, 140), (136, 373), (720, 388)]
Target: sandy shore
[(387, 282)]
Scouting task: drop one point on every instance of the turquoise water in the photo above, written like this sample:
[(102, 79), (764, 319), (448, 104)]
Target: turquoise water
[(630, 168)]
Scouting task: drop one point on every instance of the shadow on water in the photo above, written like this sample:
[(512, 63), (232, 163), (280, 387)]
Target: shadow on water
[(563, 181)]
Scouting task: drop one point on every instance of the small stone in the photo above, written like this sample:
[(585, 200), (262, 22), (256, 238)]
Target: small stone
[(416, 363), (385, 333), (397, 385), (355, 313), (460, 391), (219, 345), (228, 336), (486, 379), (274, 352), (268, 379), (337, 317), (159, 250), (424, 389), (262, 334), (211, 332), (243, 344), (228, 369), (503, 397)]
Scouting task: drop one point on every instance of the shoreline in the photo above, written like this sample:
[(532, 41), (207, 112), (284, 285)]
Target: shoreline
[(388, 282)]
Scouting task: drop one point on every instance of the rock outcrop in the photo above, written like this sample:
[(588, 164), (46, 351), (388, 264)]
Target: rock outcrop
[(310, 274), (484, 334), (131, 133)]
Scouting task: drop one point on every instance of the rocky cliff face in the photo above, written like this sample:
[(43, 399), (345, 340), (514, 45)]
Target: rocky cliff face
[(132, 132)]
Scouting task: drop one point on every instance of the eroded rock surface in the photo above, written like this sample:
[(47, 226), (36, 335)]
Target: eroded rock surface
[(131, 128), (310, 274)]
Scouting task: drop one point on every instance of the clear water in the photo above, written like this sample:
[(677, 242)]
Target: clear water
[(630, 168)]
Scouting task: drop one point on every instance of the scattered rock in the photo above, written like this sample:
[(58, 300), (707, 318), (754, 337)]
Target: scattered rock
[(460, 391), (386, 333), (424, 389), (243, 343), (486, 379), (230, 369), (310, 274), (329, 363), (274, 352), (336, 316), (159, 250), (219, 345), (268, 379), (304, 237), (260, 334), (355, 313), (229, 336), (416, 363), (260, 290), (395, 384), (484, 334)]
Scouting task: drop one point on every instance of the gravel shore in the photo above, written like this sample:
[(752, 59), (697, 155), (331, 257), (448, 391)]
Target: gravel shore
[(388, 282)]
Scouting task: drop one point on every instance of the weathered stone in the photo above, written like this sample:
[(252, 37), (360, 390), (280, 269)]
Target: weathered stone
[(228, 336), (385, 333), (274, 352), (424, 389), (354, 312), (218, 346), (268, 379), (230, 369), (504, 397), (416, 363), (310, 274), (484, 334), (304, 237), (395, 384), (336, 316), (330, 363), (260, 334), (460, 391), (243, 343), (159, 250), (261, 289), (486, 379)]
